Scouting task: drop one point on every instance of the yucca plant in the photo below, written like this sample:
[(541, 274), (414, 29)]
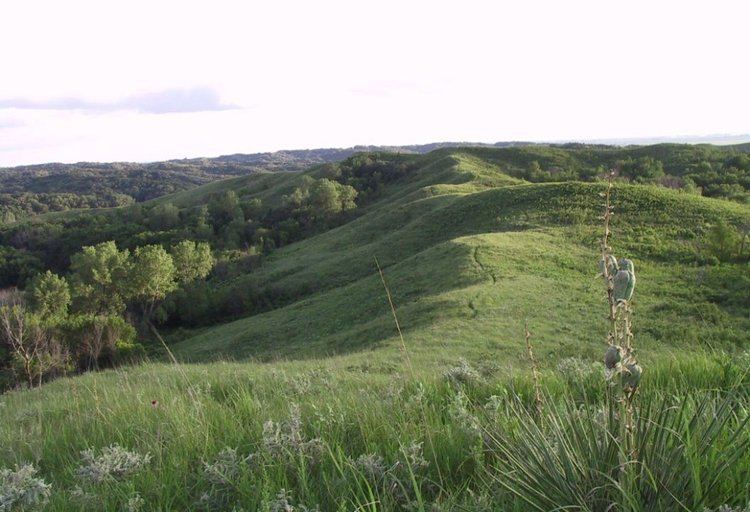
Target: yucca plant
[(668, 453), (622, 370), (572, 460)]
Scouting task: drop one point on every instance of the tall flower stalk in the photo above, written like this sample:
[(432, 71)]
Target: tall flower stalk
[(623, 372), (534, 371)]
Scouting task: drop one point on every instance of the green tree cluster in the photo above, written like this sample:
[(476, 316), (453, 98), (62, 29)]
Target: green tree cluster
[(78, 323), (321, 199), (641, 169), (726, 243)]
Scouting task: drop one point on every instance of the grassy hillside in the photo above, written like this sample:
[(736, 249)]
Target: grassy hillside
[(744, 148), (470, 249), (370, 437), (321, 404), (469, 253), (37, 189), (720, 171)]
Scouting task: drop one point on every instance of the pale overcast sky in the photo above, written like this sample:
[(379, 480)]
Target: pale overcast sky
[(150, 80)]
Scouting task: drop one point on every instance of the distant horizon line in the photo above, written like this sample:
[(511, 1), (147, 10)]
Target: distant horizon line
[(714, 139)]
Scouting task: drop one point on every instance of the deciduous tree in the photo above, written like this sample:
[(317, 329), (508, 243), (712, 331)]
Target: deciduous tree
[(49, 296), (34, 348), (192, 260), (100, 278), (152, 277)]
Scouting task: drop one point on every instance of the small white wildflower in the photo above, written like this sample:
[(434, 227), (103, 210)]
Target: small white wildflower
[(400, 482), (372, 466), (135, 503), (301, 385), (283, 503), (418, 396), (226, 467), (458, 409), (77, 492), (464, 373), (393, 393), (323, 376), (288, 437), (82, 497), (494, 404), (741, 360), (415, 456), (294, 425), (271, 436), (113, 462), (328, 416), (575, 369), (21, 489)]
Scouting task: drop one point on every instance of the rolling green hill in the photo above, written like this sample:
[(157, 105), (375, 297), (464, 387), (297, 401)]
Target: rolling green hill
[(744, 148), (30, 190), (297, 390), (469, 253), (470, 246), (720, 171)]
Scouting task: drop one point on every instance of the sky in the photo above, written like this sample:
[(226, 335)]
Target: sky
[(152, 80)]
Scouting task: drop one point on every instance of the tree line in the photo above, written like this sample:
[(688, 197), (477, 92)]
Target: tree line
[(91, 317), (728, 178)]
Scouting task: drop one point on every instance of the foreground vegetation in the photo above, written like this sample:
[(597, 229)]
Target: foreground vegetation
[(339, 436)]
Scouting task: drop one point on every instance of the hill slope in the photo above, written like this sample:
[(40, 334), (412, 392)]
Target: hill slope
[(469, 253), (470, 246)]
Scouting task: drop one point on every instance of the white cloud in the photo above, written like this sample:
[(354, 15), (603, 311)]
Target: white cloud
[(197, 99), (10, 122)]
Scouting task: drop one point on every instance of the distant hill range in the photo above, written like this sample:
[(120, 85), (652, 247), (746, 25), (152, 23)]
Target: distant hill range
[(324, 155), (34, 189), (292, 159)]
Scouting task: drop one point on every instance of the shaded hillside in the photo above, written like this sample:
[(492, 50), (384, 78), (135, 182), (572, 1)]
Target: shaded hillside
[(469, 252), (745, 148)]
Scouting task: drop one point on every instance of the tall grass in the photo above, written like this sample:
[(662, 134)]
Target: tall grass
[(360, 441)]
